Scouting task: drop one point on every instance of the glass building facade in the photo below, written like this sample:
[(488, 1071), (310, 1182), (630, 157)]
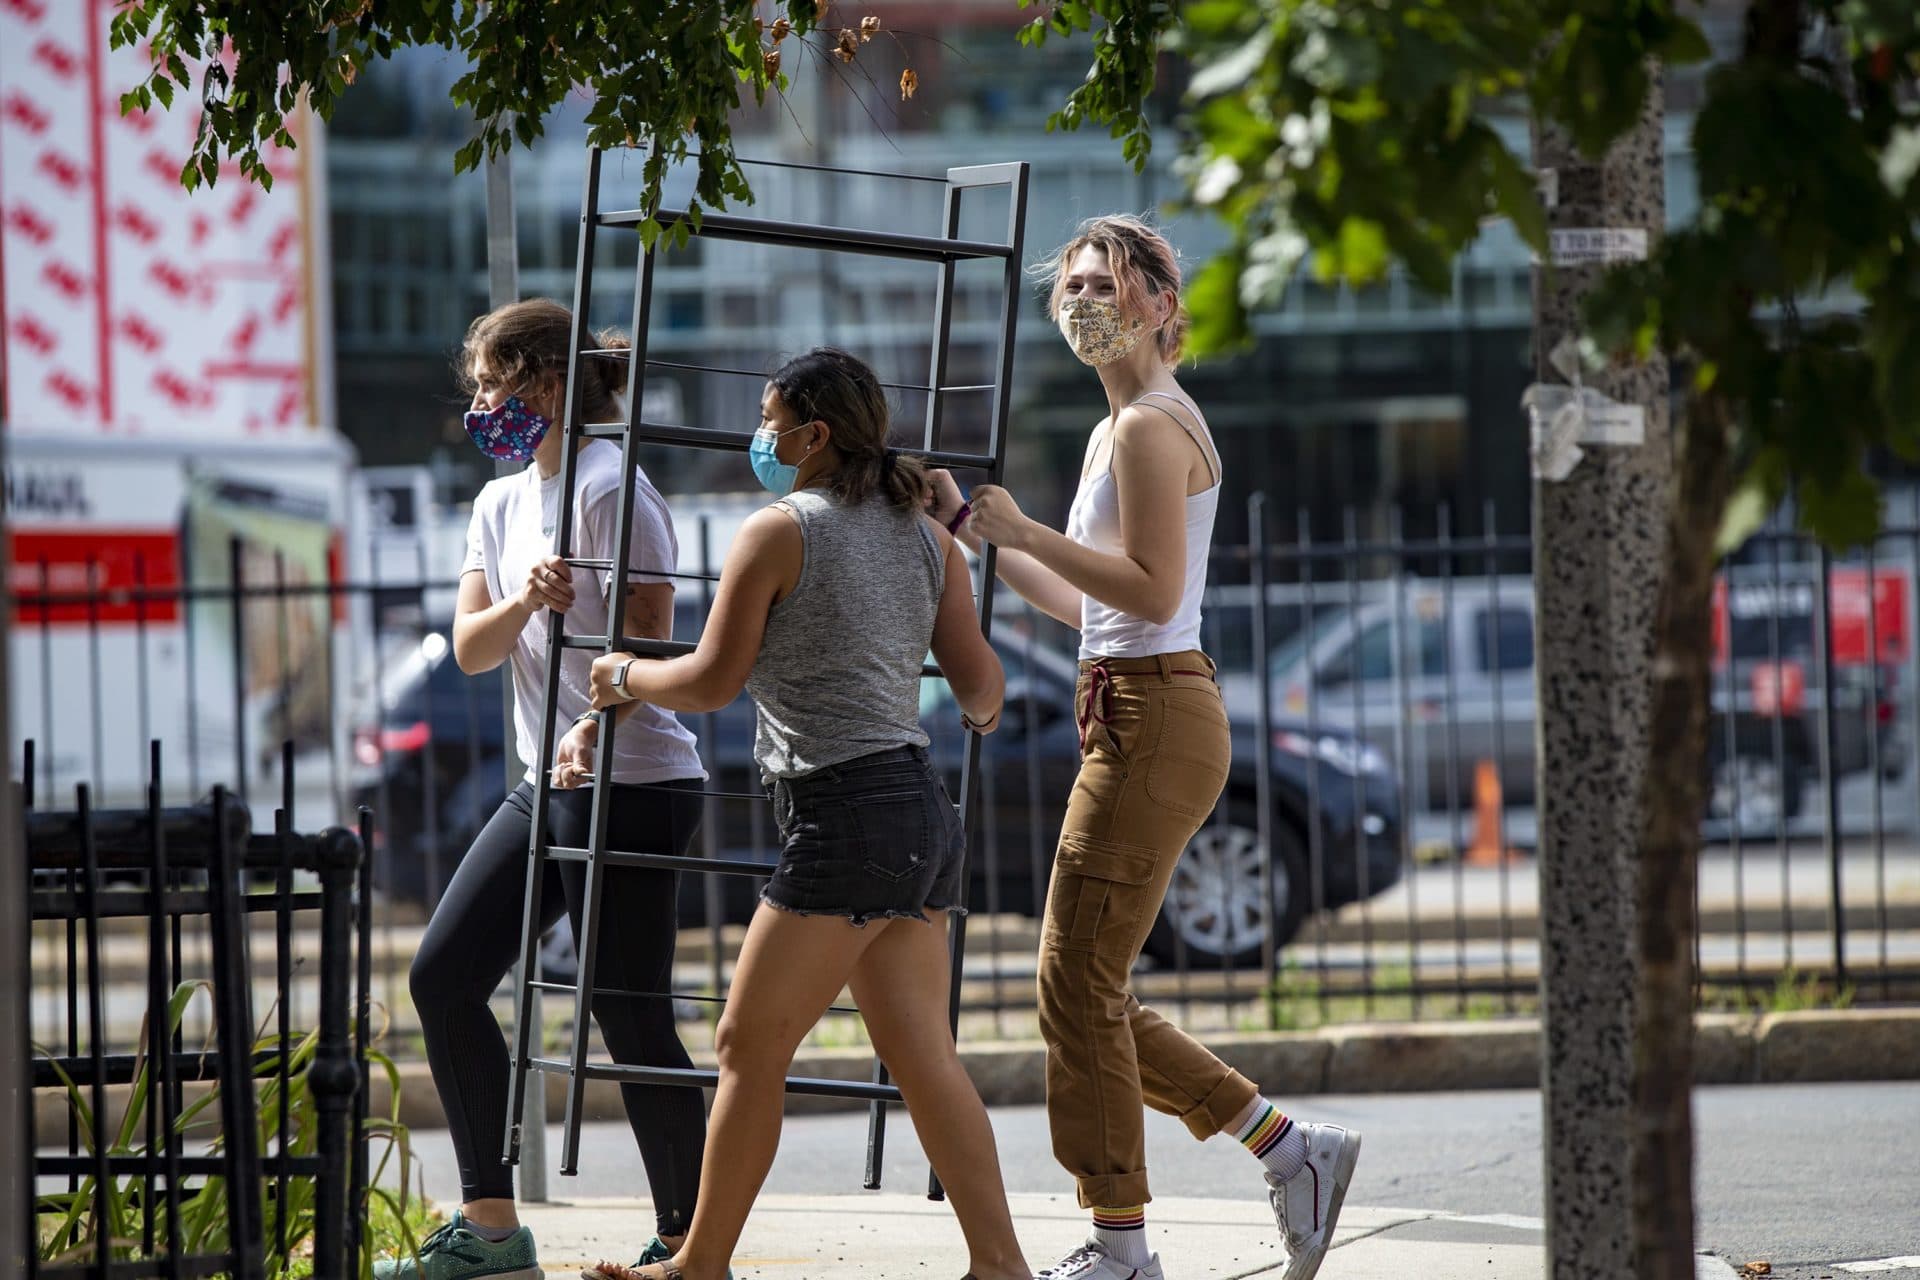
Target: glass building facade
[(1362, 402)]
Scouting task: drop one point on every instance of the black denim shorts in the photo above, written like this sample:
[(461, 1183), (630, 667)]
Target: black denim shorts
[(875, 836)]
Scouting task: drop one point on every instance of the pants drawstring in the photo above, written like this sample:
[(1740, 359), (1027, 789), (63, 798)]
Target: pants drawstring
[(1097, 706)]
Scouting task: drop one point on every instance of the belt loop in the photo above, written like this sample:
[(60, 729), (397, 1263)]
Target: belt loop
[(1166, 667)]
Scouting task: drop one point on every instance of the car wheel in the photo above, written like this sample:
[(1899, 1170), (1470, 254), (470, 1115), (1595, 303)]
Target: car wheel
[(1213, 906), (1752, 793)]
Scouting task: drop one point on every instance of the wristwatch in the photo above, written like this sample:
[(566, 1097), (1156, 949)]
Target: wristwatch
[(620, 677)]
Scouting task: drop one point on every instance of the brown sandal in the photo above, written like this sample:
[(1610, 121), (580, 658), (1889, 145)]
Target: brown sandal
[(604, 1270)]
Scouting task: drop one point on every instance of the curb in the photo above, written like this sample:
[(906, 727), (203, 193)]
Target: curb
[(1815, 1046), (125, 956)]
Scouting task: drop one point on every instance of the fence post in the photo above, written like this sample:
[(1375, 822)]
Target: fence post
[(233, 1030), (16, 995), (358, 1160), (334, 1076), (1263, 752), (1829, 763), (236, 579)]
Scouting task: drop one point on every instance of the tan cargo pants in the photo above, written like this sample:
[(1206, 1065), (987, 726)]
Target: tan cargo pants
[(1155, 750)]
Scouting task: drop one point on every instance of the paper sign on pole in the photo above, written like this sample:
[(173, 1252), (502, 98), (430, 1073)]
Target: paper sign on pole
[(1597, 246)]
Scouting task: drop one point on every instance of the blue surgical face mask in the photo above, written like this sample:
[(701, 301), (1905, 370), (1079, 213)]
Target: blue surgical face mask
[(777, 476)]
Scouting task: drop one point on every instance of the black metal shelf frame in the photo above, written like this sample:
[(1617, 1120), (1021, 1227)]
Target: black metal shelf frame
[(946, 250)]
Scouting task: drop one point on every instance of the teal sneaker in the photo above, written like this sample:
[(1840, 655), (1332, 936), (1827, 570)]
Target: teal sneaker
[(656, 1251), (455, 1252)]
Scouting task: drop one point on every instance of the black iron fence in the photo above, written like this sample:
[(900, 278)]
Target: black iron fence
[(1370, 857), (167, 1150)]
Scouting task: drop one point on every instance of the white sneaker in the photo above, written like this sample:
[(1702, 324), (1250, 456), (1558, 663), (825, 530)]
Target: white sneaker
[(1091, 1261), (1308, 1204)]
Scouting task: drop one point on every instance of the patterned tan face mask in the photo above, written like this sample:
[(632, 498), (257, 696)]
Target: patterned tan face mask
[(1093, 327)]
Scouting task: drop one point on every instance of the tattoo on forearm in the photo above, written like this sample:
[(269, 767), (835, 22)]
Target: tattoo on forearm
[(645, 617)]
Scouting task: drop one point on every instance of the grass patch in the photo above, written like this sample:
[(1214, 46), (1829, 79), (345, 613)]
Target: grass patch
[(1300, 1000), (1791, 992)]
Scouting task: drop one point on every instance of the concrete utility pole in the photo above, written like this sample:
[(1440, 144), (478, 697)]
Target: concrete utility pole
[(1599, 543)]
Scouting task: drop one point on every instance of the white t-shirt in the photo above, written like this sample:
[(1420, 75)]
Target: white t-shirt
[(513, 526)]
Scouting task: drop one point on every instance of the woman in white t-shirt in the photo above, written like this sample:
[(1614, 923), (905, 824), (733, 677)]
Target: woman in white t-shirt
[(515, 361)]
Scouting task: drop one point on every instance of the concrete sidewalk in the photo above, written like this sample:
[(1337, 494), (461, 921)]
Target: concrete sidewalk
[(891, 1234)]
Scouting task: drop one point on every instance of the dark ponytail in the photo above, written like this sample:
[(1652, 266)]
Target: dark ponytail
[(830, 386)]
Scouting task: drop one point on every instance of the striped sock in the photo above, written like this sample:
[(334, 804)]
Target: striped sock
[(1274, 1140), (1123, 1234)]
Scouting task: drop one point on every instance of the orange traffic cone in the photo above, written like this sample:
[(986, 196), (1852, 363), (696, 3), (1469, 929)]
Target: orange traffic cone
[(1487, 849)]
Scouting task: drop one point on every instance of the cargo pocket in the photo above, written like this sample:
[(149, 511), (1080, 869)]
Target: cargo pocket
[(1094, 901), (1191, 756), (892, 834)]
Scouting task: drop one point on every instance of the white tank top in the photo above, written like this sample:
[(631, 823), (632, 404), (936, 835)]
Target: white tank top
[(1094, 521)]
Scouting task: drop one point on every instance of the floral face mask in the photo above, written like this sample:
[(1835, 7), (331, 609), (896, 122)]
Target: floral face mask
[(509, 432), (1097, 332)]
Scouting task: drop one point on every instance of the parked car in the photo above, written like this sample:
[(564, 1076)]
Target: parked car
[(1335, 820), (1352, 835), (1440, 678), (1334, 808), (429, 759)]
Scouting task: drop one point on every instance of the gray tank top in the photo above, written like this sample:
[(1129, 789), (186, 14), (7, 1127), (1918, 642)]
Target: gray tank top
[(838, 675)]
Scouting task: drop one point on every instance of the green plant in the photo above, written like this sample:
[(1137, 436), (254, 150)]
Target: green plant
[(839, 1033), (670, 72), (1794, 992), (1289, 1000), (70, 1223), (1297, 1000), (1791, 992)]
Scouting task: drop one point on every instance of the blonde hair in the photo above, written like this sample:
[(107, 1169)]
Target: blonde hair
[(525, 340), (1144, 264)]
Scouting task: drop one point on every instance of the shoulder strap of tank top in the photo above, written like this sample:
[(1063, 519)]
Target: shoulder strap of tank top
[(804, 503), (1203, 444)]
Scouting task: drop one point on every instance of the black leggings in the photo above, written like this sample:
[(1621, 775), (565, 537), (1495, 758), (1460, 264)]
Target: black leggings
[(474, 939)]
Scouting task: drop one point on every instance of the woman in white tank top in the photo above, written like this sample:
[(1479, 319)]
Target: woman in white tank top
[(1129, 572)]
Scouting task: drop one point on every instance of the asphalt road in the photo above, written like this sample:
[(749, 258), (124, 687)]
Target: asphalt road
[(1802, 1176)]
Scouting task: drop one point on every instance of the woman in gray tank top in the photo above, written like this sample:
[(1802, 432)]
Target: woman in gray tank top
[(827, 606)]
